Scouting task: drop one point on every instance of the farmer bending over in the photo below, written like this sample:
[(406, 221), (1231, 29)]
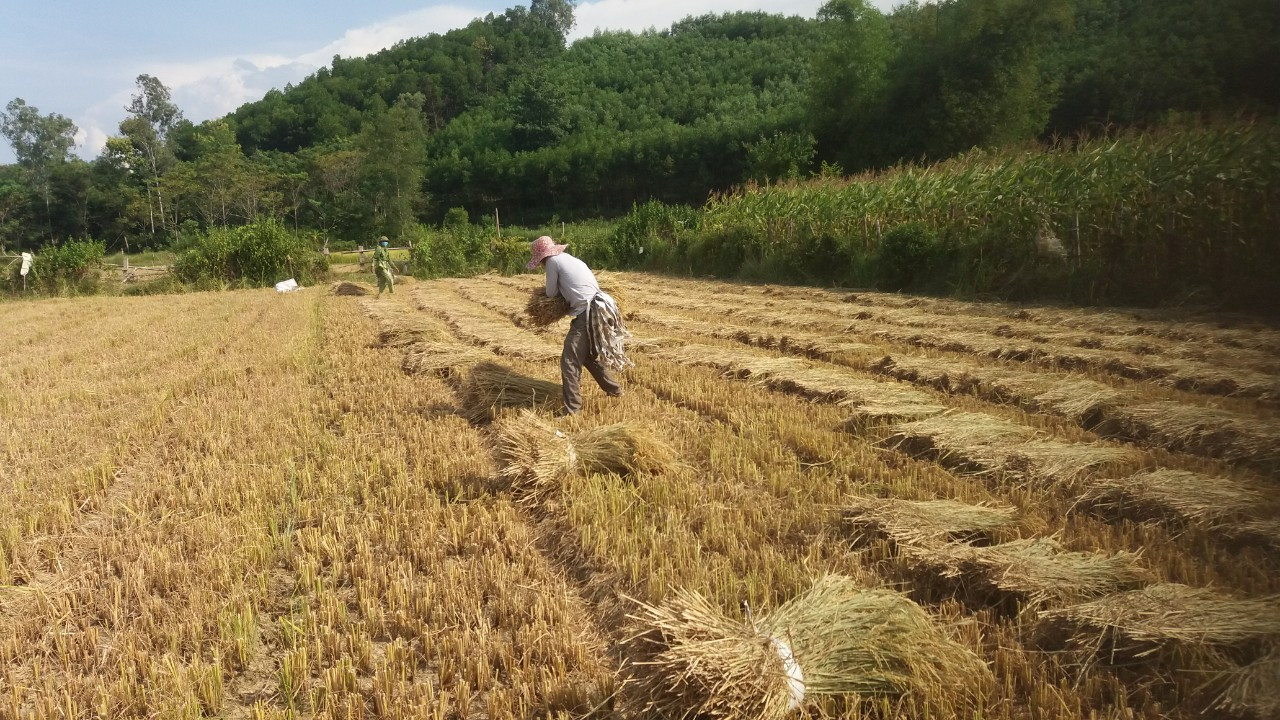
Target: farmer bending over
[(382, 267), (596, 335)]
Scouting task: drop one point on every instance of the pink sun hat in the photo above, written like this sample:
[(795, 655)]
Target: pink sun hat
[(543, 248)]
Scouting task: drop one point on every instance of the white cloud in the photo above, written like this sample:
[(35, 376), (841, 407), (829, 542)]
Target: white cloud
[(358, 42), (91, 139)]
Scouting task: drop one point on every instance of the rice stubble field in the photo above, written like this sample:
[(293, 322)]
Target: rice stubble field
[(808, 503)]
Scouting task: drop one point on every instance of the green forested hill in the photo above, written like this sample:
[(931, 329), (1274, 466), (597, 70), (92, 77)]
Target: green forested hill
[(620, 117)]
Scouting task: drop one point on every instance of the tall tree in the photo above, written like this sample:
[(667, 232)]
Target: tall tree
[(555, 14), (152, 115), (394, 145), (847, 83), (40, 143)]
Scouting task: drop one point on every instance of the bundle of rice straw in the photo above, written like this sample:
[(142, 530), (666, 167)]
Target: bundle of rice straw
[(406, 330), (543, 311), (490, 388), (536, 457), (441, 358), (918, 521), (835, 640), (349, 288), (1038, 570), (1254, 691), (1142, 621)]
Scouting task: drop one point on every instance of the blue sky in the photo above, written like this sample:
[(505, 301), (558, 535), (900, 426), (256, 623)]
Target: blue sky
[(80, 57)]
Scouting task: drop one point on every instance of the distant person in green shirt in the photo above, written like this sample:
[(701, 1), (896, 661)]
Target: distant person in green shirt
[(382, 267)]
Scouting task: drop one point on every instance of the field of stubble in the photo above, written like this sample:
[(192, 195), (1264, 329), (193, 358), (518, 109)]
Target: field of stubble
[(251, 505)]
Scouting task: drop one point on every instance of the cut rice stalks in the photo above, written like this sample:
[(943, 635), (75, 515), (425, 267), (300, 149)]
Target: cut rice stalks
[(920, 521), (407, 331), (1204, 431), (1254, 691), (350, 288), (1178, 495), (870, 400), (837, 639), (536, 457), (441, 358), (1036, 570), (1078, 399), (1142, 622), (541, 310), (985, 444), (491, 388)]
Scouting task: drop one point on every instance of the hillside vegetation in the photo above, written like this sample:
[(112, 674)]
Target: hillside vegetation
[(504, 116)]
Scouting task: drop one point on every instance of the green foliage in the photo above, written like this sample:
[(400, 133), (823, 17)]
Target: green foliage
[(502, 115), (653, 235), (909, 253), (71, 267), (781, 156), (262, 253), (442, 253)]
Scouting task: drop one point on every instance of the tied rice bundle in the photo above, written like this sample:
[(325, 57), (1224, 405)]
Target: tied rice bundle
[(542, 310), (920, 521), (440, 358), (835, 640), (490, 388), (349, 288), (536, 457)]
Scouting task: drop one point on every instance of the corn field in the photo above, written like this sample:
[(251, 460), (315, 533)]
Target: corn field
[(807, 503), (1138, 218)]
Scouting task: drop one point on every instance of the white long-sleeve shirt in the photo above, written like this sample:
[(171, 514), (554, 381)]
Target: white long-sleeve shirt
[(571, 279)]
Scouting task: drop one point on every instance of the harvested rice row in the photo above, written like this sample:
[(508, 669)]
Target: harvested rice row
[(485, 331), (824, 347), (1148, 345), (1041, 545), (1181, 374), (1227, 331), (931, 538), (1209, 432), (870, 401), (1257, 529), (717, 683), (987, 445), (1069, 575), (1232, 508)]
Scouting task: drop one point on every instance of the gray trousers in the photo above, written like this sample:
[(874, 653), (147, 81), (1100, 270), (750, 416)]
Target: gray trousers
[(576, 354)]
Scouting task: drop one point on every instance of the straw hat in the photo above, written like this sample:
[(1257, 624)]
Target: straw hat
[(543, 248)]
